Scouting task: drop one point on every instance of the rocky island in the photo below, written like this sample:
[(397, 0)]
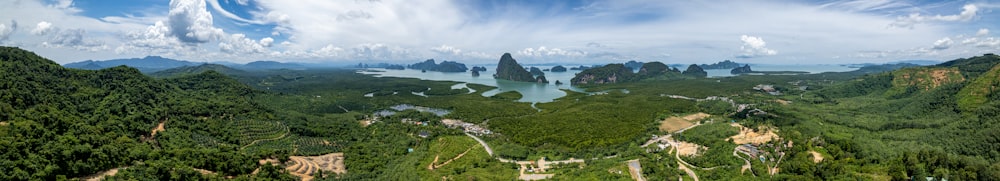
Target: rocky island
[(508, 69), (445, 66)]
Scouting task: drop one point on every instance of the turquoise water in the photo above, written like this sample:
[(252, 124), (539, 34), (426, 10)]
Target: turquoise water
[(535, 92), (768, 67), (532, 92)]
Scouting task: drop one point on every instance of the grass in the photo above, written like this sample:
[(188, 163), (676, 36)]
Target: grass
[(475, 164)]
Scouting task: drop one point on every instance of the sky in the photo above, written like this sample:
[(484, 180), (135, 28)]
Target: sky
[(480, 31)]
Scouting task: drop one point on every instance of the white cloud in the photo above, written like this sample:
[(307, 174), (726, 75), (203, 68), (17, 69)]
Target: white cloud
[(754, 47), (42, 28), (983, 32), (867, 5), (596, 45), (242, 2), (943, 43), (240, 44), (218, 8), (66, 5), (73, 38), (354, 15), (155, 37), (969, 11), (445, 49), (267, 42), (7, 29), (378, 51), (543, 51), (190, 22), (991, 42), (453, 53)]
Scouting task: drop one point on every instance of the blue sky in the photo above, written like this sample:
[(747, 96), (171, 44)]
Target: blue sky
[(472, 31)]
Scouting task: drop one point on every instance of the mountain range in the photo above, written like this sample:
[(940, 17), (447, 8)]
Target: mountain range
[(150, 64)]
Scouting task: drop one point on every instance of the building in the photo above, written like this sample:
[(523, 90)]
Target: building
[(424, 134)]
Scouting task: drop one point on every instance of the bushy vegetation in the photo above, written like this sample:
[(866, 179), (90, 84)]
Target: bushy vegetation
[(58, 123)]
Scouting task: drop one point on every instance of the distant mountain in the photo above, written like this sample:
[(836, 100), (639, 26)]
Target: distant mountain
[(508, 69), (608, 74), (264, 65), (632, 64), (536, 72), (381, 65), (558, 68), (695, 70), (477, 68), (145, 64), (741, 70), (580, 68), (445, 66), (727, 64), (917, 62), (654, 68), (192, 70)]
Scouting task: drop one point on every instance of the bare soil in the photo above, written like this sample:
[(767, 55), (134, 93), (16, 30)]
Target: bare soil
[(305, 166), (816, 156), (100, 175), (689, 149), (676, 123), (159, 127), (747, 135)]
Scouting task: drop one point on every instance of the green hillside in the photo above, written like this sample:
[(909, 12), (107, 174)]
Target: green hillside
[(977, 94), (191, 70)]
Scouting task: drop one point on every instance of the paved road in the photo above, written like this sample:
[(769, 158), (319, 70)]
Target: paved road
[(488, 149), (681, 164), (749, 167), (636, 169)]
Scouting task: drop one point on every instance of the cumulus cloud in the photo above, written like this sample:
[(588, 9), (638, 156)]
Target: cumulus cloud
[(445, 49), (353, 15), (42, 28), (378, 51), (969, 11), (267, 42), (72, 38), (943, 43), (983, 32), (240, 44), (754, 47), (190, 22), (154, 37), (596, 45), (549, 52), (7, 29), (991, 42)]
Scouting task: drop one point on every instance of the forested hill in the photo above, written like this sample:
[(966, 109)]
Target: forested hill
[(191, 70), (964, 91), (909, 81), (145, 64), (60, 123)]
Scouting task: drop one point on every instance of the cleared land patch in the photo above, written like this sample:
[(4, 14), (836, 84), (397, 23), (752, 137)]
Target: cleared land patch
[(675, 123), (689, 149), (305, 166), (747, 135), (816, 156)]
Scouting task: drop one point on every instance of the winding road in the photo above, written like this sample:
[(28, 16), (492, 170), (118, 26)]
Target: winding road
[(481, 142)]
